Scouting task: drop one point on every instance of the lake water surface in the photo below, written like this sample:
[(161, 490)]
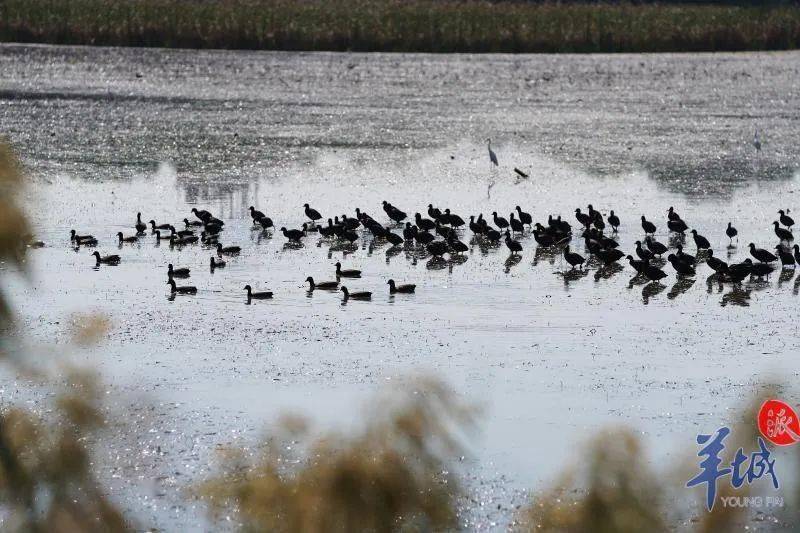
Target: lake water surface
[(551, 357)]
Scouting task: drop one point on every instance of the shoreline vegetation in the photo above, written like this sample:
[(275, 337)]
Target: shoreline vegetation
[(443, 26)]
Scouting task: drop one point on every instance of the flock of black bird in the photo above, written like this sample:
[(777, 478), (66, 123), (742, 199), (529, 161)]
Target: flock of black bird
[(441, 233)]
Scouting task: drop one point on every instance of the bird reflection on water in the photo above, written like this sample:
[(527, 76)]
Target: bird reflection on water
[(548, 253), (680, 287), (512, 261), (737, 296), (573, 275), (652, 289), (608, 271)]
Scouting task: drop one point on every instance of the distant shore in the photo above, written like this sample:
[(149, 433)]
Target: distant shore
[(401, 26)]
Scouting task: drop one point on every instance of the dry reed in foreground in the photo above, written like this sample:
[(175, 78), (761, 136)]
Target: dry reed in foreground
[(46, 478), (393, 476)]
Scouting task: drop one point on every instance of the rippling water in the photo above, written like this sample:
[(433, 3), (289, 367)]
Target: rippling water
[(552, 356)]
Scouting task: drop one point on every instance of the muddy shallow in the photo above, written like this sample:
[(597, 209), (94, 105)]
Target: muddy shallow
[(552, 358)]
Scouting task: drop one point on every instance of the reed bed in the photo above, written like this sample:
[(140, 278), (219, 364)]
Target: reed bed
[(401, 26)]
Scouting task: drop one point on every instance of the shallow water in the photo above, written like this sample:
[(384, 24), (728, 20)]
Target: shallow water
[(551, 357)]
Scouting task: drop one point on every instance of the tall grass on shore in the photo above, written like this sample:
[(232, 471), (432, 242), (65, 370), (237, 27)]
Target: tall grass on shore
[(401, 25)]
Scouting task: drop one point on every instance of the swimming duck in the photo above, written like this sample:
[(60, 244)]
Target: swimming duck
[(609, 255), (181, 233), (159, 226), (212, 229), (177, 272), (512, 245), (782, 233), (437, 248), (572, 258), (455, 246), (500, 222), (681, 267), (598, 222), (81, 239), (216, 264), (583, 218), (786, 220), (174, 240), (444, 231), (542, 237), (264, 295), (393, 238), (186, 289), (425, 224), (516, 225), (106, 259), (493, 235), (202, 214), (524, 217), (350, 222), (761, 269), (738, 271), (324, 285), (329, 230), (454, 220), (312, 214), (677, 225), (648, 226), (141, 227), (700, 242), (402, 289), (592, 245), (672, 215), (613, 220), (409, 232), (637, 265), (346, 273), (377, 229), (424, 238), (594, 215), (654, 246), (716, 264), (255, 214), (265, 222), (363, 295), (294, 234), (394, 213), (434, 212), (644, 255), (561, 225), (731, 232), (133, 238), (228, 250), (606, 242), (761, 255)]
